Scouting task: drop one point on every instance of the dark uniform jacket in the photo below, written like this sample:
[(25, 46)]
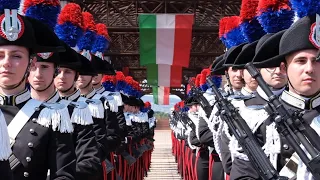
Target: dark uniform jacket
[(122, 127), (5, 170), (99, 128), (112, 126), (112, 139), (86, 147), (38, 148), (243, 169)]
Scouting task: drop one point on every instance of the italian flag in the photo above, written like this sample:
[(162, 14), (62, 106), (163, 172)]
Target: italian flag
[(165, 39), (161, 95), (164, 75)]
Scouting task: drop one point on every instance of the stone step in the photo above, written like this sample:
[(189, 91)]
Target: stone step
[(163, 165)]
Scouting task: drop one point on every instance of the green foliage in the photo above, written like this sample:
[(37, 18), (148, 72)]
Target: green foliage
[(161, 115)]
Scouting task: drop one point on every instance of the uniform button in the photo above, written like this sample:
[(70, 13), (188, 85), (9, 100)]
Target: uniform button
[(26, 174), (28, 159), (30, 144), (31, 131), (287, 160), (34, 119), (285, 146), (37, 109)]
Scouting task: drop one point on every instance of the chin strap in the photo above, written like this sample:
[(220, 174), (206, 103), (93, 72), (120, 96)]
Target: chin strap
[(67, 89)]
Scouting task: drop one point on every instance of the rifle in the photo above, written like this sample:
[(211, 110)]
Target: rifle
[(198, 94), (293, 127), (242, 132)]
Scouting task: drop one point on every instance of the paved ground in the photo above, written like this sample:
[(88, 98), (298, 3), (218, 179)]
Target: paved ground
[(163, 165)]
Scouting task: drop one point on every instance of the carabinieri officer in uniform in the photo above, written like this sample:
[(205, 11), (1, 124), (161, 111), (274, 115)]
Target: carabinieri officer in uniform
[(40, 141)]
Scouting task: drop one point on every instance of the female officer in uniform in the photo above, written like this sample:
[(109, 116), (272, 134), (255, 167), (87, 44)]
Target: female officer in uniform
[(39, 141)]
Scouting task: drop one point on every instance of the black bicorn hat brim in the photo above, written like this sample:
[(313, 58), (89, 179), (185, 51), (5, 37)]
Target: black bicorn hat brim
[(245, 56), (219, 69), (101, 66), (132, 101), (300, 36), (69, 58), (46, 39), (268, 53), (86, 68), (191, 101), (124, 98), (232, 54), (140, 102)]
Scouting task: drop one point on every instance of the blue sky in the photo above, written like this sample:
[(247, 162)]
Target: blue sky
[(173, 99)]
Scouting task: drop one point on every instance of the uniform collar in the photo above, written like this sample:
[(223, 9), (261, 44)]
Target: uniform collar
[(15, 99), (54, 98), (245, 92), (300, 101), (100, 90), (90, 94), (72, 96), (264, 96)]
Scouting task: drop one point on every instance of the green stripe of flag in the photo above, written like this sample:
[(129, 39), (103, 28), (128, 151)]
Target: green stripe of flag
[(152, 74), (155, 94), (148, 38)]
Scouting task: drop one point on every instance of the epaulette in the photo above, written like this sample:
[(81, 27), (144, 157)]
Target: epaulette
[(81, 113), (111, 103), (56, 115), (5, 149), (255, 107), (95, 106), (240, 97), (117, 97)]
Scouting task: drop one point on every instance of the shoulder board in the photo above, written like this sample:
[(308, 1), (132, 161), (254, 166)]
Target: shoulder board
[(93, 101), (56, 115), (95, 106), (240, 97), (255, 107), (79, 105), (117, 97)]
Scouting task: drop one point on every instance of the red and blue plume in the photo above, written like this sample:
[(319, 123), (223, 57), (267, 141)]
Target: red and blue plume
[(129, 90), (89, 32), (250, 26), (217, 80), (193, 79), (9, 4), (275, 15), (136, 89), (176, 107), (203, 79), (120, 81), (147, 104), (222, 26), (197, 81), (233, 34), (108, 82), (306, 7), (45, 11), (101, 44), (69, 26)]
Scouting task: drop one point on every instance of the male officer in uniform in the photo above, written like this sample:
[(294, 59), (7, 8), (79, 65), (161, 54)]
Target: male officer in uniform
[(299, 57)]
